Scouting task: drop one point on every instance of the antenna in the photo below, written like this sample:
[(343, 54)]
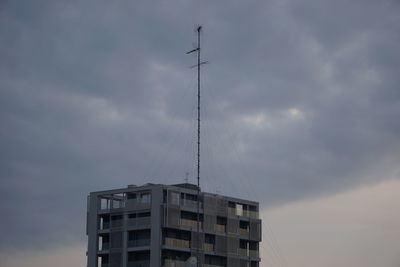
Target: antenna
[(199, 63)]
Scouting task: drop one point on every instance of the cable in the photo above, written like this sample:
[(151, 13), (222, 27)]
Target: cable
[(272, 242)]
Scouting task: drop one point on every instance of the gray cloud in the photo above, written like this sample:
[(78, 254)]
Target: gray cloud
[(300, 99)]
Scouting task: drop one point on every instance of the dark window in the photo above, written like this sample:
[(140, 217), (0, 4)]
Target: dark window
[(253, 208), (116, 217), (244, 224), (165, 195), (243, 244), (221, 220), (177, 234), (138, 256), (145, 198), (190, 216), (131, 196), (191, 197), (143, 214), (210, 239)]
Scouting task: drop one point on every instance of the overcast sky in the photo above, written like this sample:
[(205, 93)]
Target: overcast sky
[(301, 102)]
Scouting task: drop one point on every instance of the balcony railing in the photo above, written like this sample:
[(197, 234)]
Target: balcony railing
[(116, 223), (252, 214), (232, 211), (138, 243), (191, 203), (104, 226), (248, 252), (243, 252), (254, 253), (173, 242), (134, 204), (173, 263), (244, 213), (190, 223), (208, 247), (220, 228), (104, 246), (244, 232), (138, 263), (139, 222)]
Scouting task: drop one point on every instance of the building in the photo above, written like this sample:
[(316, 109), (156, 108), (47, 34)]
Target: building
[(156, 225)]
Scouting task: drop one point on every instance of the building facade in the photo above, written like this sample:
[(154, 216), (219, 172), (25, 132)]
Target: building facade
[(156, 225)]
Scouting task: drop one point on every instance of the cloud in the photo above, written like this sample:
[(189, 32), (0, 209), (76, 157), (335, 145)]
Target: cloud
[(300, 100), (355, 228)]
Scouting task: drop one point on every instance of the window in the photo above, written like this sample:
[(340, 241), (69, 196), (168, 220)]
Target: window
[(145, 198), (187, 215), (244, 225), (144, 214), (243, 244), (209, 239), (165, 195), (104, 222), (104, 203), (116, 204), (175, 198), (253, 208), (131, 196), (239, 209), (191, 197), (116, 220), (221, 220)]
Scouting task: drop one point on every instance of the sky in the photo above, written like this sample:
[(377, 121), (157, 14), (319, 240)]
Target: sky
[(300, 108)]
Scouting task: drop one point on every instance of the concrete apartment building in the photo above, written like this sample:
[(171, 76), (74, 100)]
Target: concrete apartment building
[(156, 225)]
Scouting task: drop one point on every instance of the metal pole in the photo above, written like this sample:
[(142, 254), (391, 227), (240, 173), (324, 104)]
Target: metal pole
[(198, 146), (199, 63)]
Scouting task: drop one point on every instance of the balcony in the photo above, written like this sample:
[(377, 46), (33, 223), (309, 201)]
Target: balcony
[(244, 213), (190, 223), (139, 222), (252, 214), (134, 204), (243, 252), (104, 246), (173, 242), (220, 228), (254, 253), (244, 232), (116, 223), (173, 263), (208, 247), (138, 243), (191, 204), (104, 226)]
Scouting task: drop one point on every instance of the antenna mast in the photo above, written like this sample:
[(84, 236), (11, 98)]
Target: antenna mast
[(199, 63)]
